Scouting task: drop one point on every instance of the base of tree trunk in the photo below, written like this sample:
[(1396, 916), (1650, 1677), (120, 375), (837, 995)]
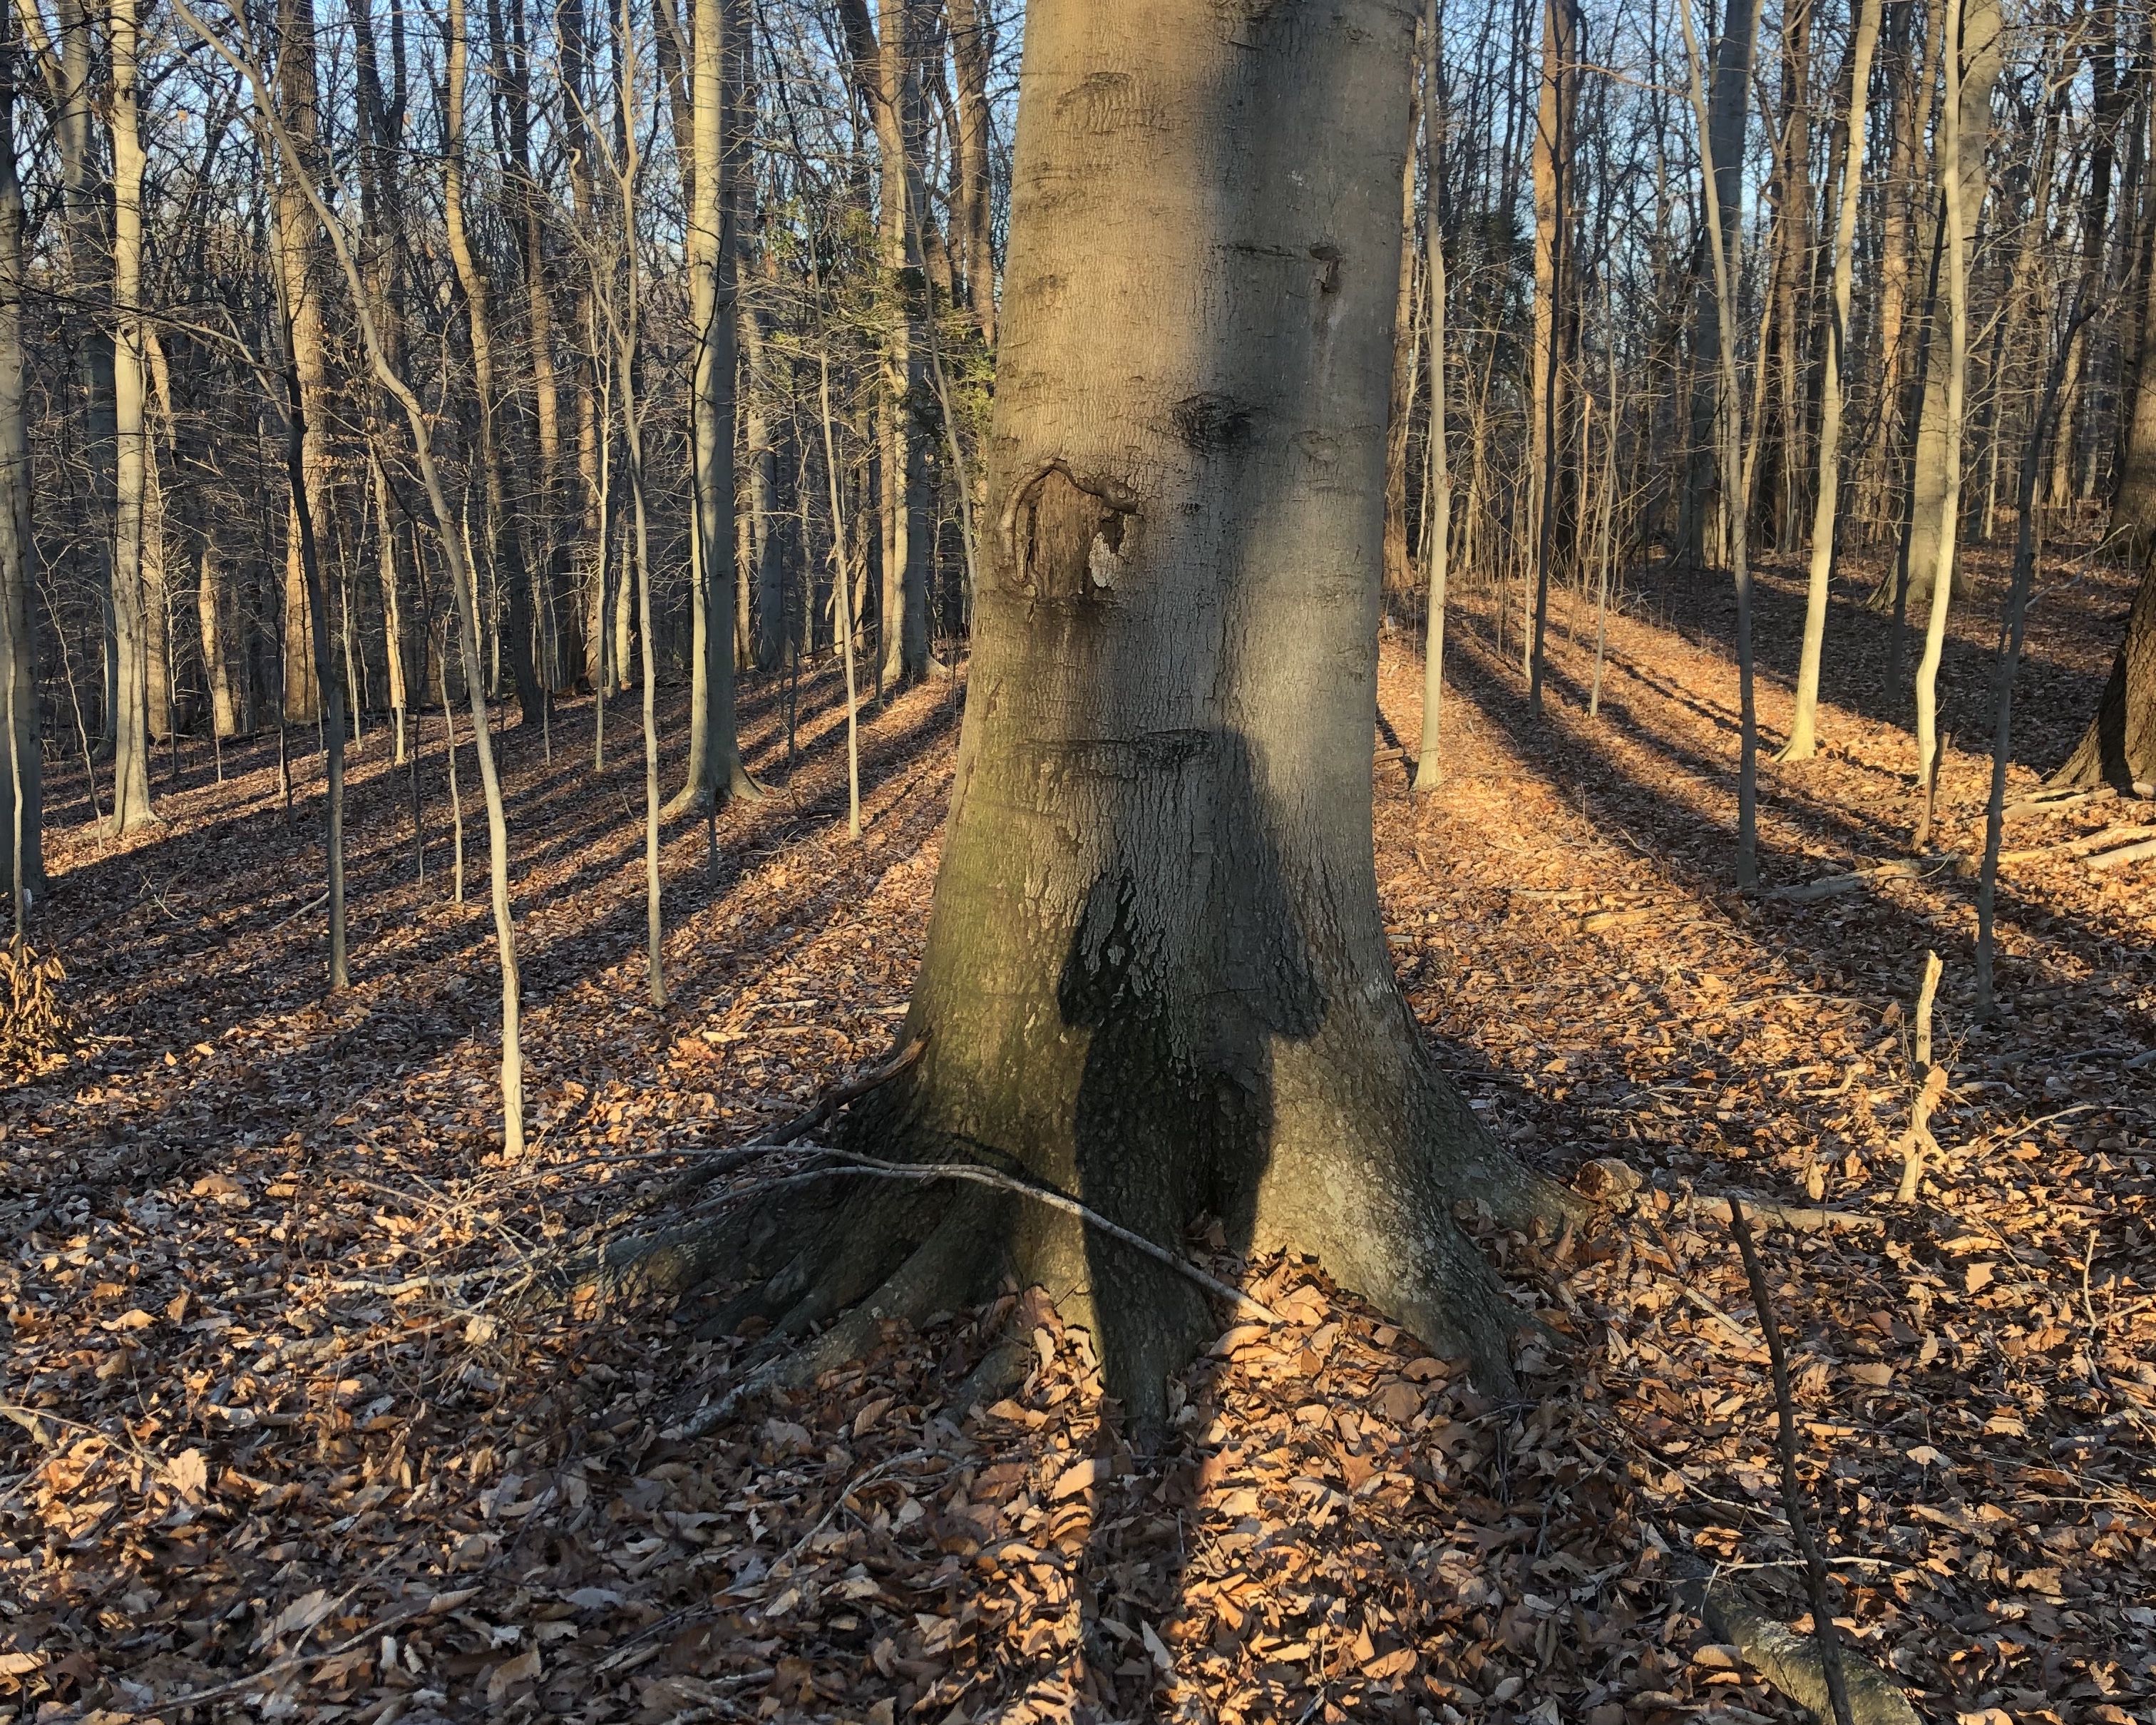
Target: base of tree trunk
[(824, 1263), (2119, 746)]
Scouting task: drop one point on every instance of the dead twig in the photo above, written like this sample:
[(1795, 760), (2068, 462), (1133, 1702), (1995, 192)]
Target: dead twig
[(1931, 1088), (1824, 1627)]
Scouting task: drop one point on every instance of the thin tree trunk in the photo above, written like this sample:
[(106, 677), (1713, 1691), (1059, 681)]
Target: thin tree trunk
[(2017, 612), (1553, 165), (840, 586), (1721, 135), (766, 545), (1803, 730), (1953, 210), (1730, 433), (68, 78), (1972, 61), (310, 552), (716, 772), (972, 48), (633, 448), (884, 72), (18, 651), (544, 519), (1437, 540), (512, 1064), (503, 532), (131, 724), (395, 647), (1407, 365)]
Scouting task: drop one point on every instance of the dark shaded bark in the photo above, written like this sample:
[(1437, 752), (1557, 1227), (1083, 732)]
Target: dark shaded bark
[(22, 800), (2119, 746)]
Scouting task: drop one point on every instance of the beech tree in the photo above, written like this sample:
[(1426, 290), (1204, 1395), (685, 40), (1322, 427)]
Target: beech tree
[(1156, 978), (2119, 746)]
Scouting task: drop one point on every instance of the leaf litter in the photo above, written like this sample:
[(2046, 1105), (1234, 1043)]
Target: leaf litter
[(288, 1433)]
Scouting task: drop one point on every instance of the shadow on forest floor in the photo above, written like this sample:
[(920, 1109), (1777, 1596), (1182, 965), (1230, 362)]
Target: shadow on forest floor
[(271, 1261)]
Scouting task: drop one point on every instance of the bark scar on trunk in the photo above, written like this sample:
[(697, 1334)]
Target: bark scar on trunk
[(1210, 423), (1063, 536)]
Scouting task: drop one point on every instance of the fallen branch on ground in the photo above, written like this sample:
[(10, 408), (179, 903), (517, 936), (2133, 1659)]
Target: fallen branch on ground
[(2053, 804), (2124, 854), (1901, 868)]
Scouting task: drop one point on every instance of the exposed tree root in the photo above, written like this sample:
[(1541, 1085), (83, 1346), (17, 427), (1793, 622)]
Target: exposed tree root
[(823, 1256)]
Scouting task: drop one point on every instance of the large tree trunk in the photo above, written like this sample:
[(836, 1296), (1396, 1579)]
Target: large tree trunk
[(1156, 976), (2119, 746)]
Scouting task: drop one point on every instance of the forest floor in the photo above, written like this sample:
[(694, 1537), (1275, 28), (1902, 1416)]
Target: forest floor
[(291, 1435)]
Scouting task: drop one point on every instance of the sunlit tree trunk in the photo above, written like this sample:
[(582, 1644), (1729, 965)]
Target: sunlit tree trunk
[(505, 533), (1925, 521), (1407, 363), (1804, 736), (130, 729), (1437, 545), (972, 45), (298, 96), (884, 71), (1708, 506), (1723, 248), (1554, 117), (1970, 33), (765, 544), (213, 621), (716, 772)]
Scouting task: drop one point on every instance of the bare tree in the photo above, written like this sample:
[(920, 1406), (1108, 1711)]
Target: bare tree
[(18, 647)]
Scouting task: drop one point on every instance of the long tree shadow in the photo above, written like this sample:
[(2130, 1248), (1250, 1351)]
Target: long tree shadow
[(421, 1002), (2054, 696), (1841, 935)]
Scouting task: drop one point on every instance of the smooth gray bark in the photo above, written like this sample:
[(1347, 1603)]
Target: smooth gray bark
[(1156, 976)]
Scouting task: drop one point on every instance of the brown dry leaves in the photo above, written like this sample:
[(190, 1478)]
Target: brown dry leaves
[(284, 1427)]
